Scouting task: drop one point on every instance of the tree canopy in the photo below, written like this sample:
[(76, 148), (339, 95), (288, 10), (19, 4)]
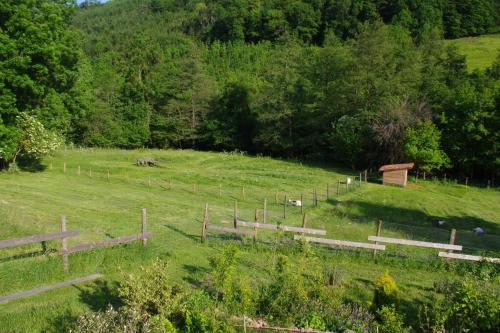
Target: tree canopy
[(356, 82)]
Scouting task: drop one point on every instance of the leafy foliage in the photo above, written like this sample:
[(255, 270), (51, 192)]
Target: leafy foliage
[(386, 293), (467, 306), (423, 147)]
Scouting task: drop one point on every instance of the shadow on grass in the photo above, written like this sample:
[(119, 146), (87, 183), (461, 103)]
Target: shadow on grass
[(30, 165), (183, 233), (62, 323), (195, 275), (100, 294), (28, 255), (413, 221)]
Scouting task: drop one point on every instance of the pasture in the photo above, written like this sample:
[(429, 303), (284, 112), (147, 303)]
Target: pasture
[(480, 51), (104, 206)]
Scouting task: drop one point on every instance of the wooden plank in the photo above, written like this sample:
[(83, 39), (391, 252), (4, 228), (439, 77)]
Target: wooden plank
[(468, 257), (104, 243), (258, 225), (46, 288), (415, 243), (282, 227), (231, 230), (340, 242), (38, 238), (303, 230)]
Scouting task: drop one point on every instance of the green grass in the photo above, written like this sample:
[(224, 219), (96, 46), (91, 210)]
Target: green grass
[(480, 51), (32, 202)]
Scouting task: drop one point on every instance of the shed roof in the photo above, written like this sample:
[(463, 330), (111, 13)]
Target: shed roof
[(394, 167)]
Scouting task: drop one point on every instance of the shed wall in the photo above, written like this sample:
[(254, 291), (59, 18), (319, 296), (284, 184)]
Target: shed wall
[(397, 177)]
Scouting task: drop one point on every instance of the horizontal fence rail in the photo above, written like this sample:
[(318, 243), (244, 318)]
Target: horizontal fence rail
[(336, 242), (38, 238), (231, 230), (104, 243), (46, 288), (415, 243), (281, 227), (468, 257)]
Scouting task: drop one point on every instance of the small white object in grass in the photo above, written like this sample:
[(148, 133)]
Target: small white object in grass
[(478, 231), (441, 222), (296, 203), (348, 180)]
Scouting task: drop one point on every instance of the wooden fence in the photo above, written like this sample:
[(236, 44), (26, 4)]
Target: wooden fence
[(468, 257), (37, 238), (341, 243), (46, 288), (415, 243), (65, 251)]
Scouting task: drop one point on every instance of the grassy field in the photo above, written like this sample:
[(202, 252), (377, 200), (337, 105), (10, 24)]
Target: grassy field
[(175, 194), (480, 51)]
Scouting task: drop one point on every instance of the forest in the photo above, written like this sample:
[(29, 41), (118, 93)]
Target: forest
[(359, 83)]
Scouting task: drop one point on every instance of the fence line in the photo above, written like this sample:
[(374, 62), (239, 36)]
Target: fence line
[(46, 288)]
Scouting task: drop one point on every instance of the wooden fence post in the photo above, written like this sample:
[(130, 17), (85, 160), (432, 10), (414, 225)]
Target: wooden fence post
[(347, 184), (379, 231), (301, 203), (366, 176), (64, 167), (64, 245), (235, 214), (304, 220), (453, 234), (489, 183), (265, 211), (424, 175), (205, 222), (284, 208), (444, 177), (144, 222), (338, 187), (255, 228), (466, 181)]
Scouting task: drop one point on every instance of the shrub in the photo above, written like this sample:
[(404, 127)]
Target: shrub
[(386, 293), (121, 321), (199, 313), (150, 291), (222, 268), (391, 321), (467, 306)]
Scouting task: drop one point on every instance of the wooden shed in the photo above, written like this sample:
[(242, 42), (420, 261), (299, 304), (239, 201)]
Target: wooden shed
[(396, 174)]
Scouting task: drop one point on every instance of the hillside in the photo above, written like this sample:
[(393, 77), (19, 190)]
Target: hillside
[(31, 203), (481, 52)]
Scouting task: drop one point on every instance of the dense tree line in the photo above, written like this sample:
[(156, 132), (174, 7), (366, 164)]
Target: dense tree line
[(357, 82)]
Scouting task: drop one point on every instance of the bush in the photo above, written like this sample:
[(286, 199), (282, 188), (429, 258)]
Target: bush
[(121, 321), (467, 306), (386, 293), (150, 291), (391, 321), (199, 313)]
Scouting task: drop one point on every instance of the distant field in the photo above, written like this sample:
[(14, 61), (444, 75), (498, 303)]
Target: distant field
[(481, 51), (31, 203)]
